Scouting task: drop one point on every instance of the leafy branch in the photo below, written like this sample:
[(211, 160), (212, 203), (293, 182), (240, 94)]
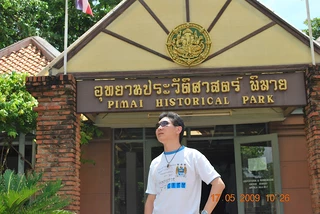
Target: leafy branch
[(17, 116), (315, 27)]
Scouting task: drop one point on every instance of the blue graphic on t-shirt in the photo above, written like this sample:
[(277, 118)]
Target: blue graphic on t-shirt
[(176, 185)]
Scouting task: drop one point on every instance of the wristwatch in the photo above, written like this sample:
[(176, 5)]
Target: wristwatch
[(204, 212)]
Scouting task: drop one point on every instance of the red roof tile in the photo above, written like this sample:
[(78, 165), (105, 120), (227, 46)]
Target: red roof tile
[(30, 55)]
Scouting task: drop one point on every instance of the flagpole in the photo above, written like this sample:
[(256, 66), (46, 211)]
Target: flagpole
[(65, 38), (310, 33)]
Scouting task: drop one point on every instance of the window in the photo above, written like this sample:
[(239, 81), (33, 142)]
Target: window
[(23, 145)]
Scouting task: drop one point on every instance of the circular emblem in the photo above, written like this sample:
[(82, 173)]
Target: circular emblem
[(188, 44)]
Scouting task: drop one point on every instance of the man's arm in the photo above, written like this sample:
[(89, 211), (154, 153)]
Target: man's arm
[(148, 208), (216, 189)]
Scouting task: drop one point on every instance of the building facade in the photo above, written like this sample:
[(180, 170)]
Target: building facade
[(239, 76)]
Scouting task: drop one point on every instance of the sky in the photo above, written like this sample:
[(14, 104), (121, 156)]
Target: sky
[(294, 11)]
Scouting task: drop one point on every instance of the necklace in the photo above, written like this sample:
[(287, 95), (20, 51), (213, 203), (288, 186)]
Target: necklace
[(171, 158)]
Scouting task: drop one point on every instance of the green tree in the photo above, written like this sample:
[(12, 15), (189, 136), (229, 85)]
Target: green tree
[(45, 18), (21, 19), (16, 111), (17, 115), (315, 26), (20, 194), (16, 105)]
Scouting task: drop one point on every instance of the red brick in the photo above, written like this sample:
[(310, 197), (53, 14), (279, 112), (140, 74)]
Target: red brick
[(39, 108), (51, 107), (312, 129), (58, 133), (49, 93)]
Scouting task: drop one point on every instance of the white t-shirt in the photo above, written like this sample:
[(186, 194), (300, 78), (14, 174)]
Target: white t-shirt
[(178, 187)]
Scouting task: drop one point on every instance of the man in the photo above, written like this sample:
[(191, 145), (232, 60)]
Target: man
[(174, 182)]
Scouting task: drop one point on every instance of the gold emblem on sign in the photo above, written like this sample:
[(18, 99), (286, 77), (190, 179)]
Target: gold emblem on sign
[(188, 44)]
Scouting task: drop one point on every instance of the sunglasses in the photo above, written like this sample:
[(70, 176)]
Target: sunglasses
[(162, 124)]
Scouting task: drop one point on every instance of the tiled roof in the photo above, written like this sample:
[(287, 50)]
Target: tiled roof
[(30, 55)]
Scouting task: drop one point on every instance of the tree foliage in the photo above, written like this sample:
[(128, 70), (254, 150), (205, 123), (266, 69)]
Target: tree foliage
[(16, 111), (88, 132), (16, 105), (28, 195), (315, 26), (17, 115), (20, 19), (45, 18)]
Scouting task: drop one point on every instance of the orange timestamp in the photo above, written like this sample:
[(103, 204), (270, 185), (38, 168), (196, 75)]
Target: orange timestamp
[(229, 198)]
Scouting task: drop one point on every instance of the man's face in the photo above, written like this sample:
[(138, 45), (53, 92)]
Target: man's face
[(166, 131)]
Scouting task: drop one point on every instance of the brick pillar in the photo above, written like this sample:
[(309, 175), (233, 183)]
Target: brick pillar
[(58, 133), (312, 129)]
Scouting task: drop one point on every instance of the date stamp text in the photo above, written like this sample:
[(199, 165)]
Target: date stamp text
[(247, 198)]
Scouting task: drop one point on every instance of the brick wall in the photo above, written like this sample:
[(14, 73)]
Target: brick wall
[(58, 133), (312, 129)]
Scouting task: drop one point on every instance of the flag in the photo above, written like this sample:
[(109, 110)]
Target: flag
[(84, 6)]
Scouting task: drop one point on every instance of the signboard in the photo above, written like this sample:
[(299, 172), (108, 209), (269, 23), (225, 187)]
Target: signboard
[(191, 93)]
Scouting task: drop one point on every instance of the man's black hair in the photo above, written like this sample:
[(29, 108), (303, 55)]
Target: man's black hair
[(176, 121)]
